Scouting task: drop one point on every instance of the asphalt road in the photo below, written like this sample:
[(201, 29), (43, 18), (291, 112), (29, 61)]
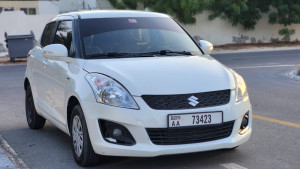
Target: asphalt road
[(273, 145)]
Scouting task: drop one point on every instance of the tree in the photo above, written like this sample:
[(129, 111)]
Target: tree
[(286, 33), (286, 12), (184, 11), (243, 12)]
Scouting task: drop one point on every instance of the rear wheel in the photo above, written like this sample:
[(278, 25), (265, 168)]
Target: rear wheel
[(34, 120), (83, 151)]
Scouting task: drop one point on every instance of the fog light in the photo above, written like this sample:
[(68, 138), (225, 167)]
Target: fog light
[(115, 133), (244, 124)]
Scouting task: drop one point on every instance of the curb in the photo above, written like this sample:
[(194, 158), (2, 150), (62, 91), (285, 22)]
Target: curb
[(292, 75), (250, 50), (13, 156)]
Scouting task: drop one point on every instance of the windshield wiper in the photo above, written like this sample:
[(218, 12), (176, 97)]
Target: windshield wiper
[(145, 54), (163, 52), (110, 54)]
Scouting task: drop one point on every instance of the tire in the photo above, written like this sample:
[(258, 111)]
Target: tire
[(34, 120), (84, 156)]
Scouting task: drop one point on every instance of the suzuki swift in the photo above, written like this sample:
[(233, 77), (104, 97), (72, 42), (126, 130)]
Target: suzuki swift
[(128, 83)]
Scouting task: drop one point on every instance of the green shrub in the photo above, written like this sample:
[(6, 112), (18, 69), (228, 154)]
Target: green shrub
[(286, 33)]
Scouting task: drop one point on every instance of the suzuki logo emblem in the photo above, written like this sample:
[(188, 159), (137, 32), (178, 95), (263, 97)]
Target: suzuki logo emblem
[(193, 100)]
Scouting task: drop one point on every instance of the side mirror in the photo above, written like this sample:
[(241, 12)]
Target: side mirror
[(55, 52), (206, 46)]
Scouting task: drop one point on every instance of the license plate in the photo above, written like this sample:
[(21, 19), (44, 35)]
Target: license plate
[(195, 119)]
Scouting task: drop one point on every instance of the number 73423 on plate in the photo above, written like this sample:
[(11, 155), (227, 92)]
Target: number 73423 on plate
[(194, 119)]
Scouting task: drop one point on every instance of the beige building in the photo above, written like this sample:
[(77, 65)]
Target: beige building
[(33, 7), (29, 7)]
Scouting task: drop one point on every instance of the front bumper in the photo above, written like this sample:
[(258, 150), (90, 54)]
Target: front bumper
[(136, 121)]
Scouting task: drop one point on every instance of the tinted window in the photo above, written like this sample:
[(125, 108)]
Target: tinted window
[(46, 40), (134, 36), (63, 34)]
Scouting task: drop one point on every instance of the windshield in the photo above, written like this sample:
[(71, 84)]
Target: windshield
[(134, 37)]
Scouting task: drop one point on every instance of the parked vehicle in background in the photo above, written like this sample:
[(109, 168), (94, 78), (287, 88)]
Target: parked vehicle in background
[(127, 83)]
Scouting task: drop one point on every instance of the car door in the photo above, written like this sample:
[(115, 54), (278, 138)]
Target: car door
[(57, 75), (39, 68)]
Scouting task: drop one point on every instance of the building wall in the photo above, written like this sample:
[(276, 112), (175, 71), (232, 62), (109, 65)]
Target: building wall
[(103, 4), (220, 32), (49, 7), (41, 7), (17, 23), (20, 4), (76, 5)]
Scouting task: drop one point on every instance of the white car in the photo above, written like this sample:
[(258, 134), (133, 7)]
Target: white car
[(128, 83)]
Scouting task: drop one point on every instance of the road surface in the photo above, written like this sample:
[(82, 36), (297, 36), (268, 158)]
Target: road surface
[(275, 142)]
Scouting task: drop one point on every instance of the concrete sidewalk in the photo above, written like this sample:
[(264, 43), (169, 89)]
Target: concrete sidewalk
[(5, 162), (9, 158)]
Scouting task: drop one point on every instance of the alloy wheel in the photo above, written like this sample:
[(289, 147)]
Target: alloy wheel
[(77, 136), (29, 110)]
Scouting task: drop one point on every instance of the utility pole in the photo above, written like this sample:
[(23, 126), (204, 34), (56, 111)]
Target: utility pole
[(83, 4)]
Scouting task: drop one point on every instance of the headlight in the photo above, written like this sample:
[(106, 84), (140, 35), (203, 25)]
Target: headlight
[(110, 92), (241, 88)]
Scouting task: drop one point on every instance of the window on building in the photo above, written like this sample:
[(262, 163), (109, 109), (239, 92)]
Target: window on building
[(9, 9), (29, 11)]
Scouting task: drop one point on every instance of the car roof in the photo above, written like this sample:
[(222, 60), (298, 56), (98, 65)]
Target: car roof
[(107, 14)]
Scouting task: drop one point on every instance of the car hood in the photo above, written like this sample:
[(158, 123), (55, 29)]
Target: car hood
[(165, 75)]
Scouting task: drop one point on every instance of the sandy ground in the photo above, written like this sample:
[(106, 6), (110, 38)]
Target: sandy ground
[(4, 60)]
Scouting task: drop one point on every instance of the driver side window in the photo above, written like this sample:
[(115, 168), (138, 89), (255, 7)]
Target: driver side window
[(46, 39), (63, 34)]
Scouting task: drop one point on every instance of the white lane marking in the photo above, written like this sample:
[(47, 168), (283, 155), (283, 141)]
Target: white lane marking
[(269, 66), (232, 166)]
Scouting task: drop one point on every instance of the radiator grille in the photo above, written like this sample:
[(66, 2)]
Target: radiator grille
[(188, 135), (175, 102)]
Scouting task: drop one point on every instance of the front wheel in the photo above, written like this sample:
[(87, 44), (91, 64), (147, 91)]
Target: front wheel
[(34, 120), (83, 151)]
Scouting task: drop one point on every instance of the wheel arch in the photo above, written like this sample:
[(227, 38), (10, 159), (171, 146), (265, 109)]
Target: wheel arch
[(72, 101), (26, 83)]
